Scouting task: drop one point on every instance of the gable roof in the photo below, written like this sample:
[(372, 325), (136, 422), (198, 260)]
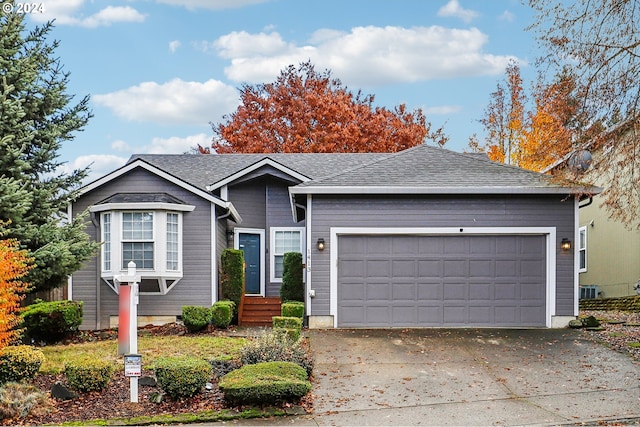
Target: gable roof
[(431, 170), (210, 171), (139, 163)]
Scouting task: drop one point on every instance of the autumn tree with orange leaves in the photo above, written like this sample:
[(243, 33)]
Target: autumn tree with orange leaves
[(533, 139), (306, 111), (14, 265)]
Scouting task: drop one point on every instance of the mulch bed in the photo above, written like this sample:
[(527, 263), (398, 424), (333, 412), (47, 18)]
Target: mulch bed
[(114, 401)]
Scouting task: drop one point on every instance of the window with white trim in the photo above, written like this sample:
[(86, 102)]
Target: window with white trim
[(137, 239), (582, 249), (150, 238), (283, 240), (106, 242)]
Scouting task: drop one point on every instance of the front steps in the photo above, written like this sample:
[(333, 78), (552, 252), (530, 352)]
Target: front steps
[(258, 311)]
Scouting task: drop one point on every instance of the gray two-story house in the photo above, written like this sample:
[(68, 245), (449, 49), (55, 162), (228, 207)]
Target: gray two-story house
[(419, 238)]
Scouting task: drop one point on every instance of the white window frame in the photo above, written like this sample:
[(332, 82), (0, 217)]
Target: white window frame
[(167, 278), (107, 242), (582, 248), (272, 249), (140, 240)]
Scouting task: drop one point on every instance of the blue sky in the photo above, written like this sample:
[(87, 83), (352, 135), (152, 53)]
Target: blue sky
[(159, 71)]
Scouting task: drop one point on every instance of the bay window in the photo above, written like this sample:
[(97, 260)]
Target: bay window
[(150, 238)]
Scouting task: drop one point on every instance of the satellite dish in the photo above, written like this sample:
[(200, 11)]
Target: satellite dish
[(580, 161)]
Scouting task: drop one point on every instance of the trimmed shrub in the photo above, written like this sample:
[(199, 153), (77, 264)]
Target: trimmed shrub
[(265, 383), (283, 322), (195, 318), (21, 400), (182, 376), (276, 346), (293, 309), (292, 288), (88, 374), (222, 313), (51, 322), (231, 275), (20, 362)]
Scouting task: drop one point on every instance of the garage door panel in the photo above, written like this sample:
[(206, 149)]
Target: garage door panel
[(430, 268), (403, 292), (441, 281), (403, 268), (430, 291), (456, 268), (352, 268)]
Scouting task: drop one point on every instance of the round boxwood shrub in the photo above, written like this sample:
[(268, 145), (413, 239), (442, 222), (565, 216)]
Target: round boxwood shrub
[(182, 376), (20, 362), (222, 313), (88, 374), (52, 321), (265, 383), (195, 318)]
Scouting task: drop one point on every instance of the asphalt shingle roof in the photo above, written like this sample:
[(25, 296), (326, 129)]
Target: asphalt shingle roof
[(204, 170), (422, 168)]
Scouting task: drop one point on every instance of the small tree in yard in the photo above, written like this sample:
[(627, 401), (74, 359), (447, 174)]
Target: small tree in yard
[(14, 265), (292, 287)]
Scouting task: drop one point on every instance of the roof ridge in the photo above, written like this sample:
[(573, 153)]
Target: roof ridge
[(365, 165)]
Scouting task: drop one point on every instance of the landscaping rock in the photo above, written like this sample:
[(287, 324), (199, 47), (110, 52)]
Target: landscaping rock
[(156, 397), (590, 322), (148, 381), (61, 391), (576, 324)]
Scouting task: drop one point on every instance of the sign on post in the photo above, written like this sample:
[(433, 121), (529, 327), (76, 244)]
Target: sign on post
[(132, 365)]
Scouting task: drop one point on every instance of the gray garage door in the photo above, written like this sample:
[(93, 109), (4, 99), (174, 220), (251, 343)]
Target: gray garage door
[(409, 281)]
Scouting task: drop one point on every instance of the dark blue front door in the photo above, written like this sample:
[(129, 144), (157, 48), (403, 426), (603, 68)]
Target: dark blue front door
[(250, 245)]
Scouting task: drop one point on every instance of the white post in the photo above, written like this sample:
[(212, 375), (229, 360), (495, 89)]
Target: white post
[(129, 311), (133, 328)]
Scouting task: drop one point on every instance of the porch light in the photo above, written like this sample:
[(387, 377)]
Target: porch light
[(321, 244), (565, 244)]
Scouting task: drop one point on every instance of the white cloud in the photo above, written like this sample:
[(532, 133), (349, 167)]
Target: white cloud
[(69, 12), (175, 144), (507, 16), (211, 4), (454, 9), (173, 102), (366, 55), (442, 110), (174, 45), (99, 164)]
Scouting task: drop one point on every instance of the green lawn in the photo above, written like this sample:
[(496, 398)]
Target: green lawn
[(150, 348)]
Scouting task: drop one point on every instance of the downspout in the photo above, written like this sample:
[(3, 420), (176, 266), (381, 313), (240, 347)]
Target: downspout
[(96, 224), (587, 204)]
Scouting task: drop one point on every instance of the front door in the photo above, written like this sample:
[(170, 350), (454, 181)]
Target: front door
[(249, 243)]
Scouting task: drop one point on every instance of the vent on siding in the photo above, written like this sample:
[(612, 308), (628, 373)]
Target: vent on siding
[(588, 292)]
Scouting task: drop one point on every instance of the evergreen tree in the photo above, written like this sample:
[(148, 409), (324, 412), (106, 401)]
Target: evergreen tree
[(36, 117)]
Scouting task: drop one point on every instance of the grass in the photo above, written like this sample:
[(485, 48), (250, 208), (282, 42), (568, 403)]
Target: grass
[(150, 348)]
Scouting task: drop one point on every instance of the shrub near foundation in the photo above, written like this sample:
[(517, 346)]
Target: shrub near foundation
[(195, 318), (222, 313), (52, 321), (182, 376), (19, 363), (293, 309), (265, 383)]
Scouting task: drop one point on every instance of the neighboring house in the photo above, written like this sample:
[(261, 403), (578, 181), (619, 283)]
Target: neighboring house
[(423, 237), (608, 250)]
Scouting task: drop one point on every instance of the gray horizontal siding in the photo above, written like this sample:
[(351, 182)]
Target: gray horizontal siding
[(437, 212), (195, 286)]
